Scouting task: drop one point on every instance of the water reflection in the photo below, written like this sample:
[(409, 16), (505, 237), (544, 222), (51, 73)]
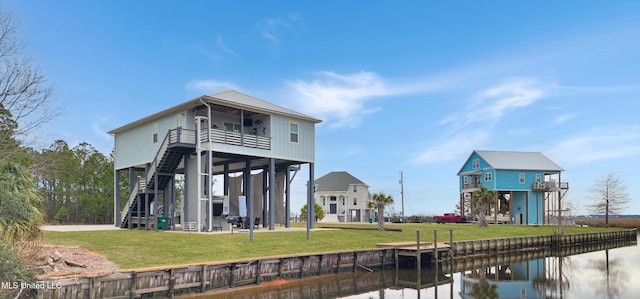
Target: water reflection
[(540, 274)]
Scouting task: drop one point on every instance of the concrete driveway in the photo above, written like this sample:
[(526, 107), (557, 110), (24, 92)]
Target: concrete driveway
[(78, 228)]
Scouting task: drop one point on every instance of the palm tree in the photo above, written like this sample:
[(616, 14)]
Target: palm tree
[(483, 199), (20, 219), (317, 211), (20, 204), (378, 201)]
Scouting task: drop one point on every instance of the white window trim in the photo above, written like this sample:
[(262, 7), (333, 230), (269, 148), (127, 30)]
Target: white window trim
[(522, 178), (297, 133), (488, 176), (475, 163)]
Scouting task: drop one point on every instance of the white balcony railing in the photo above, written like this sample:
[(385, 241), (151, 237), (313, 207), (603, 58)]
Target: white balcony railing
[(551, 186), (235, 138)]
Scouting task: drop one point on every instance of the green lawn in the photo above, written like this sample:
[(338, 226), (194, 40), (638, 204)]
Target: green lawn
[(138, 248)]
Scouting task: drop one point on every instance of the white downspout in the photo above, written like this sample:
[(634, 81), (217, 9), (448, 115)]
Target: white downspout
[(198, 120), (210, 166)]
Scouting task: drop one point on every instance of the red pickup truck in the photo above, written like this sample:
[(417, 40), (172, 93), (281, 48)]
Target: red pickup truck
[(450, 217)]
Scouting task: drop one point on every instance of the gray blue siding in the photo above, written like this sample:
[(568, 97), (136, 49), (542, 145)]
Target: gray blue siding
[(135, 147)]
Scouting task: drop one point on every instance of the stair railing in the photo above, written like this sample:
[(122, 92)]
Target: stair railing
[(132, 198), (173, 136)]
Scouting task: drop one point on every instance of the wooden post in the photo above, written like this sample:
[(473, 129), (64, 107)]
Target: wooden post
[(203, 277), (258, 269), (355, 261), (418, 254), (93, 290), (132, 291), (435, 246), (302, 267), (395, 253), (172, 281), (451, 249)]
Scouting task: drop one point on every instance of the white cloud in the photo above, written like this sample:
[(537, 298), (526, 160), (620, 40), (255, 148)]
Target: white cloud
[(271, 29), (343, 100), (453, 148), (563, 118), (485, 109), (224, 47), (211, 55), (602, 143), (491, 104), (209, 86), (97, 129)]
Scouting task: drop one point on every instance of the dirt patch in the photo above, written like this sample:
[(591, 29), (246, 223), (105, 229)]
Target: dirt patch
[(61, 261)]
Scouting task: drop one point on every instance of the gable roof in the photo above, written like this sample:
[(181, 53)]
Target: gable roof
[(337, 181), (229, 98), (512, 160), (236, 99)]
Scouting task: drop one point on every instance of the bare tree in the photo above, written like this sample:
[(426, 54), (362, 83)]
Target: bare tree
[(609, 195), (24, 90), (25, 104)]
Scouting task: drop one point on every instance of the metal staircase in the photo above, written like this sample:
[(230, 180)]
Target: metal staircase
[(176, 143)]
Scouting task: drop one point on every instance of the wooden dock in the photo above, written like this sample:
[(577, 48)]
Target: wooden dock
[(417, 252)]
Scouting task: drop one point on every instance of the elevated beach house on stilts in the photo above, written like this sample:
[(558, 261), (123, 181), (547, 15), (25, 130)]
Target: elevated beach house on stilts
[(226, 141), (529, 185), (343, 197)]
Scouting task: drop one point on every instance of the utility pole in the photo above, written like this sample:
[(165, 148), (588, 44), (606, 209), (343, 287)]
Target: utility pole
[(402, 194)]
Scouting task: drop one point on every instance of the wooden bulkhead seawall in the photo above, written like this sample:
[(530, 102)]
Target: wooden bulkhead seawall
[(556, 242), (222, 275), (199, 278)]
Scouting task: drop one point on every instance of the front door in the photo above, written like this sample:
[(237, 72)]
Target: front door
[(333, 208)]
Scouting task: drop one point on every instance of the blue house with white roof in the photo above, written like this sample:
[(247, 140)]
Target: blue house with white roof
[(529, 185)]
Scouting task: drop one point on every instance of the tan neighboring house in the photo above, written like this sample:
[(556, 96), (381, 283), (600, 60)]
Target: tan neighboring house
[(343, 196)]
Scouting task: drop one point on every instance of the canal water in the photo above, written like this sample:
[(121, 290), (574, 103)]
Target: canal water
[(610, 273)]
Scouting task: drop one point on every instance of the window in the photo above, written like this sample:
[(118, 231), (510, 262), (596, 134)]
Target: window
[(155, 138), (333, 198), (344, 201), (521, 178), (475, 163), (487, 176), (355, 188), (293, 132), (355, 201), (538, 177), (231, 127), (324, 201)]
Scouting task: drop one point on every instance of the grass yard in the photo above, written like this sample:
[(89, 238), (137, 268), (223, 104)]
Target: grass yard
[(613, 221), (131, 249)]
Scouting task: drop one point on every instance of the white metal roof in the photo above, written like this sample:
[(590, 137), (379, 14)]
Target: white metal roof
[(230, 98), (513, 160)]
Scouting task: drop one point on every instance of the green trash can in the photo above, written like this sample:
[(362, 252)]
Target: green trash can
[(163, 222), (370, 220)]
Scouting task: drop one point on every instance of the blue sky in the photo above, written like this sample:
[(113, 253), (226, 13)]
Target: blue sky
[(411, 86)]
